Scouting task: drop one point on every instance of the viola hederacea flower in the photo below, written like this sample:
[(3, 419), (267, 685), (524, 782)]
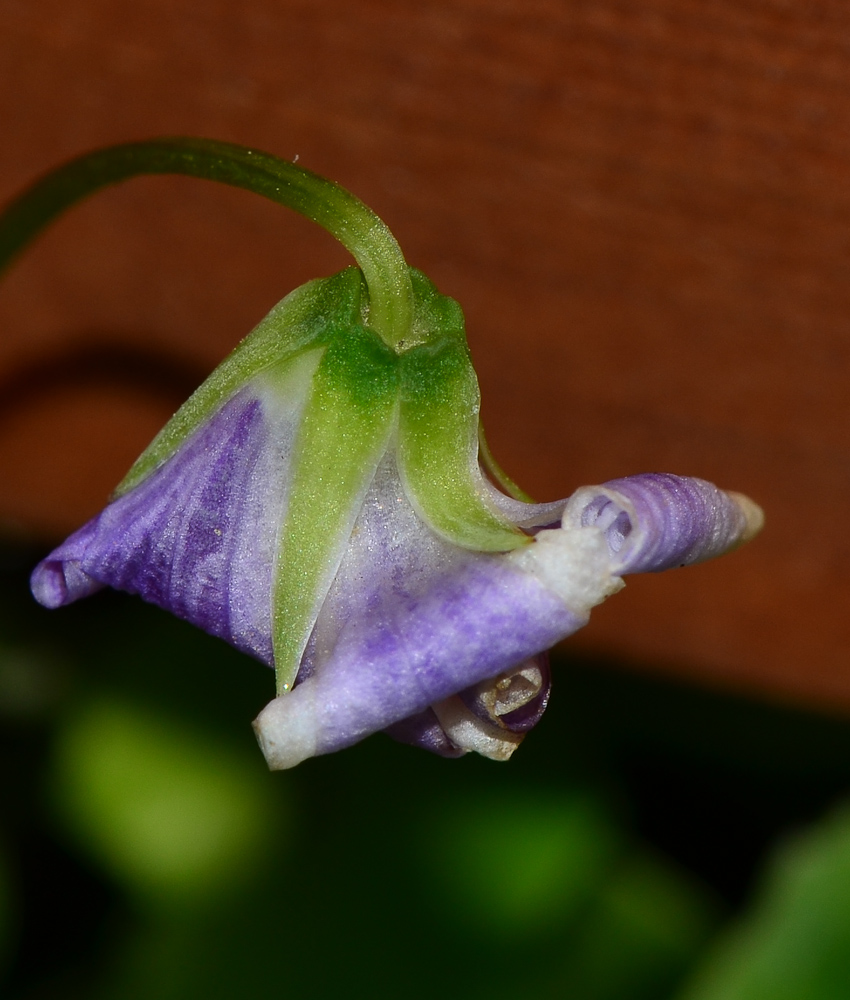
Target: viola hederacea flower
[(324, 502)]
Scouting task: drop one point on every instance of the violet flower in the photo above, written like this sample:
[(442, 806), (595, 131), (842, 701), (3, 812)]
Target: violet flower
[(320, 504)]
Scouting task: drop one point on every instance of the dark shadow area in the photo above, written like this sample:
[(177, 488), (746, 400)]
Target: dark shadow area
[(93, 359)]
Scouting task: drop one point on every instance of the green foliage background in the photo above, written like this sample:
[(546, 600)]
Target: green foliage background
[(648, 841)]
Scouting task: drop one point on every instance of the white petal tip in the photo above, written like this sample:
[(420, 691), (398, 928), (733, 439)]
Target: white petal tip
[(753, 516), (286, 732)]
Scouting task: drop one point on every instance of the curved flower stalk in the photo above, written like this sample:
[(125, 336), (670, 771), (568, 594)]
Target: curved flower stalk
[(319, 504)]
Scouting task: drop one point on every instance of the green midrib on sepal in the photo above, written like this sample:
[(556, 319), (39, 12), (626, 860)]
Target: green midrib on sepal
[(438, 430), (346, 429), (306, 318)]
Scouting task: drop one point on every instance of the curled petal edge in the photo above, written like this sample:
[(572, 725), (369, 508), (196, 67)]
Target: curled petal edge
[(657, 521)]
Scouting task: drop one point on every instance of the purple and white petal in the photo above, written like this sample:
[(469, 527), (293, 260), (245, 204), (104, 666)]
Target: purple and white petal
[(412, 620), (657, 521), (198, 537), (440, 646)]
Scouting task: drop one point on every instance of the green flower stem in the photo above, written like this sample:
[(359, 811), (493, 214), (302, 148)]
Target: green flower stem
[(357, 227)]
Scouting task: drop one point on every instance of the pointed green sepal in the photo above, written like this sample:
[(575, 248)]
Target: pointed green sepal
[(347, 427), (438, 429), (305, 319)]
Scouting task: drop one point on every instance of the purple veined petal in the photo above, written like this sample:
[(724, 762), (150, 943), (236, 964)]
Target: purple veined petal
[(657, 521), (58, 579), (411, 620), (199, 536)]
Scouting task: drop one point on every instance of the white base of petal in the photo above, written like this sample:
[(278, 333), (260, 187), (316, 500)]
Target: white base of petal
[(575, 563), (286, 730)]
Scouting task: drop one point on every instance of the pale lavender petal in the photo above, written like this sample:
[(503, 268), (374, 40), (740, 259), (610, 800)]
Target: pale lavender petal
[(410, 621), (473, 625), (531, 517), (657, 521)]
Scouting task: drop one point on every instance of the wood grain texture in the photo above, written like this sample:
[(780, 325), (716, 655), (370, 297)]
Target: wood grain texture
[(643, 208)]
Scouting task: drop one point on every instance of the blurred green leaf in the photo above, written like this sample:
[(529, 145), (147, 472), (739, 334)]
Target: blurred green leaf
[(643, 929), (794, 944), (515, 865), (173, 815)]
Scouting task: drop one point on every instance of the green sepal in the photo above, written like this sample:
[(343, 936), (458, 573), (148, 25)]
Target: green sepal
[(346, 429), (438, 430), (306, 318)]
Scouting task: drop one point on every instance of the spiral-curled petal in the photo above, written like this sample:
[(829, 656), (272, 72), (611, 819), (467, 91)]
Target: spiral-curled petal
[(657, 521)]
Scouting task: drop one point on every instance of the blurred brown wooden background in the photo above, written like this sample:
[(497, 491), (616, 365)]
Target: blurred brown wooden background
[(644, 209)]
